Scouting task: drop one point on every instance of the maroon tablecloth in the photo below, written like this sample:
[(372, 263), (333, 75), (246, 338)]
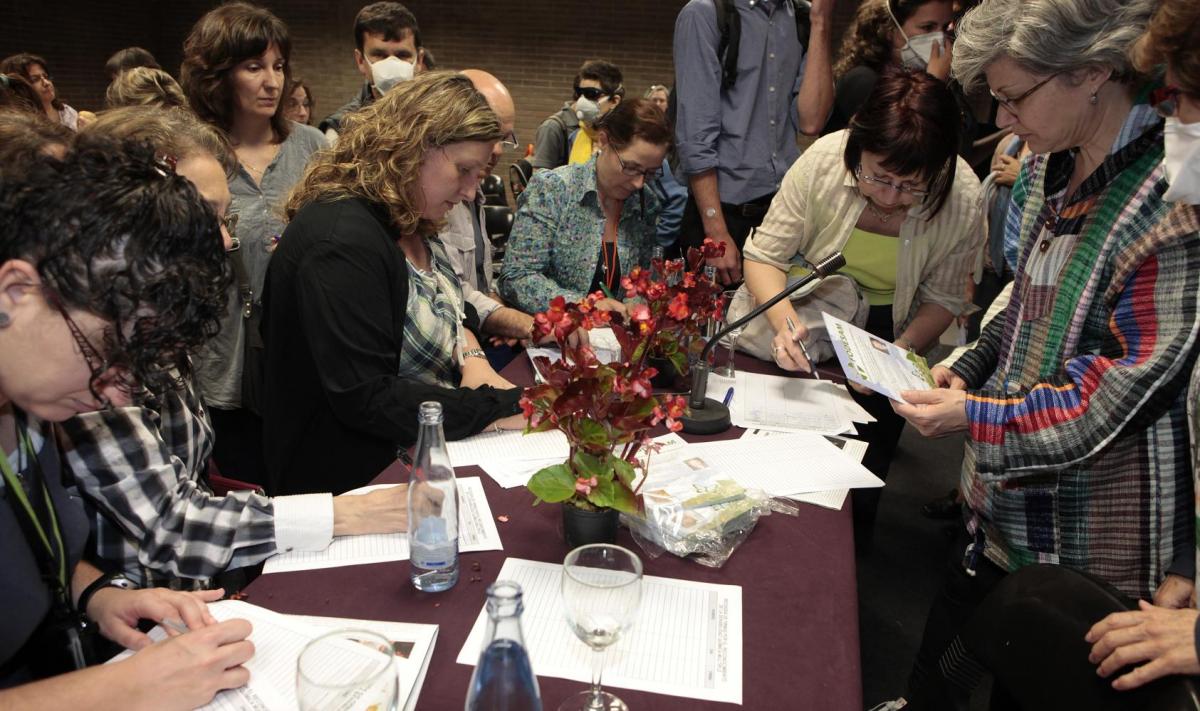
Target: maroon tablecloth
[(799, 602)]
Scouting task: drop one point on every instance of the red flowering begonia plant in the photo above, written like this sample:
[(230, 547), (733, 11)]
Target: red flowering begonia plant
[(606, 410)]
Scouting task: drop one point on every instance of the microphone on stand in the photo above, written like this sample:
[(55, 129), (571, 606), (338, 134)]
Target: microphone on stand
[(708, 416)]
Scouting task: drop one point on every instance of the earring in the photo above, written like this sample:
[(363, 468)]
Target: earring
[(1094, 99), (5, 319)]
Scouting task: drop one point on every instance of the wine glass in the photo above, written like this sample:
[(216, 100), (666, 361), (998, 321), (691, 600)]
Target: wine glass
[(349, 670), (730, 340), (601, 591)]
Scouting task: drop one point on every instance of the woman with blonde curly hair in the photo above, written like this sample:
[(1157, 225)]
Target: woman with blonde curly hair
[(364, 317), (144, 86)]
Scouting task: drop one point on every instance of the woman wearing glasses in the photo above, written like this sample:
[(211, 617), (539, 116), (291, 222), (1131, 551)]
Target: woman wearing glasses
[(578, 228), (1074, 398), (891, 195)]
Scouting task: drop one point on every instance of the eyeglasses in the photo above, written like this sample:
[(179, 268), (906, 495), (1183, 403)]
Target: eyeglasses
[(229, 222), (633, 171), (96, 363), (880, 182), (591, 92), (510, 142), (1011, 104), (1166, 100)]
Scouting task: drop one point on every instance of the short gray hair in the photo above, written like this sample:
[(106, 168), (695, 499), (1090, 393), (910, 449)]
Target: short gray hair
[(1049, 36)]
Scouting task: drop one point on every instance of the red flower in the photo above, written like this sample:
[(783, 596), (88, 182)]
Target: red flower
[(678, 308)]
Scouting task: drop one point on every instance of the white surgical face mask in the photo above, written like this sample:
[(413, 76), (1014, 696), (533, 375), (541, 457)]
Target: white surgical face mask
[(387, 73), (586, 110), (1182, 161), (918, 49)]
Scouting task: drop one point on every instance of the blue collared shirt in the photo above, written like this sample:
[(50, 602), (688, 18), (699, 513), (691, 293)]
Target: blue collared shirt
[(747, 133)]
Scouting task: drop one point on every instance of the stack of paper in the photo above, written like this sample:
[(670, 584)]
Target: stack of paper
[(784, 404), (476, 532), (603, 343), (686, 640), (279, 639), (833, 498)]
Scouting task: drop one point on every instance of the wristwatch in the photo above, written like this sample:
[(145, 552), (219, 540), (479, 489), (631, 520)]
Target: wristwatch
[(111, 580)]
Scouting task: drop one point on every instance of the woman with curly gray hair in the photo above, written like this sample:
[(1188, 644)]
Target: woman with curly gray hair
[(1074, 398)]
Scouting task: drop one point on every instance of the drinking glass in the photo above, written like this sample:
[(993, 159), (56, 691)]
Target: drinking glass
[(347, 670), (601, 591), (730, 340)]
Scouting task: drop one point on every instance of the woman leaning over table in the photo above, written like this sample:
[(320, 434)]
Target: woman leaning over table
[(235, 68), (580, 227), (1162, 638), (1073, 398), (111, 271), (364, 317), (891, 195)]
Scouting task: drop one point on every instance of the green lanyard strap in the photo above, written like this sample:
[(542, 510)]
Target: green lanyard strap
[(55, 550)]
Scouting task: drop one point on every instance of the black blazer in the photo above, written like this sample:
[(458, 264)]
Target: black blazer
[(334, 306)]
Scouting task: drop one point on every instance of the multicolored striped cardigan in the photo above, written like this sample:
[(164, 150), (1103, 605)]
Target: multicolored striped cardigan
[(1078, 449)]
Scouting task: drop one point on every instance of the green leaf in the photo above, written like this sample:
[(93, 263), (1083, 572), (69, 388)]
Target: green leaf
[(553, 484), (624, 500), (591, 433), (588, 466), (603, 493), (624, 471)]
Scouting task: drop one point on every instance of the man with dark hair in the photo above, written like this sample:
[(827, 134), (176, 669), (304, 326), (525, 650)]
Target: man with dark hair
[(387, 49), (598, 90), (736, 121), (128, 58)]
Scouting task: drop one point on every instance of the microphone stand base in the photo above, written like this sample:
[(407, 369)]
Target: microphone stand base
[(711, 419)]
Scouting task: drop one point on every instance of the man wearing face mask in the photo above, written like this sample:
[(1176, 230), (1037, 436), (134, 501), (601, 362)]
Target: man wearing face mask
[(388, 51), (566, 137), (736, 121)]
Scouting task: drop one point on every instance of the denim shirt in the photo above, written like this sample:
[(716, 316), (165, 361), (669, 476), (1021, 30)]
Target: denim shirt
[(748, 132), (555, 241)]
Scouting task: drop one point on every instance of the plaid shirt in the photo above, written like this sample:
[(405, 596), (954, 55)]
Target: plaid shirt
[(1078, 450), (139, 470)]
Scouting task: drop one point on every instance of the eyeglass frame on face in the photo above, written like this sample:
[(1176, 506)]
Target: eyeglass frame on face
[(96, 363), (593, 93), (510, 142), (1010, 105), (647, 175), (880, 182)]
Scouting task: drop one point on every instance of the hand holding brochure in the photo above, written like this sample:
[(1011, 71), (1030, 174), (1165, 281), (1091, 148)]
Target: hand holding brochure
[(874, 363)]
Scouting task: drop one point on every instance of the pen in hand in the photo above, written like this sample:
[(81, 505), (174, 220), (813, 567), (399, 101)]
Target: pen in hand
[(812, 367)]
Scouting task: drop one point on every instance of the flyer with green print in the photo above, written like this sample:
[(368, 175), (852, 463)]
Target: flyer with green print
[(874, 363)]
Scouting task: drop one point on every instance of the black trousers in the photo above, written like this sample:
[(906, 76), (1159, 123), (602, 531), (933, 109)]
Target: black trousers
[(739, 220), (238, 449), (960, 595), (881, 437)]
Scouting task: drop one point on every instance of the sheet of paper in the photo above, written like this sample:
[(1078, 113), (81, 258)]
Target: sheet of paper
[(833, 498), (511, 445), (873, 362), (785, 464), (785, 404), (476, 532), (603, 342), (687, 640), (279, 640), (513, 473)]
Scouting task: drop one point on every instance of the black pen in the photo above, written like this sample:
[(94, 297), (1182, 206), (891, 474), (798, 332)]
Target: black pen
[(812, 367)]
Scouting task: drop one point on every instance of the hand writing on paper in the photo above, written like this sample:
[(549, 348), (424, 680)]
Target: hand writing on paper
[(187, 671), (118, 612), (786, 348), (935, 413)]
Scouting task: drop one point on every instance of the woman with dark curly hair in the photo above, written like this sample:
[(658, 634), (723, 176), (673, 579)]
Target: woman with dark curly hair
[(364, 316), (34, 70), (111, 273), (889, 33), (235, 68)]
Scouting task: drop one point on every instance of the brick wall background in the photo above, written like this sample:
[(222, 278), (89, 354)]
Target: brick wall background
[(533, 46)]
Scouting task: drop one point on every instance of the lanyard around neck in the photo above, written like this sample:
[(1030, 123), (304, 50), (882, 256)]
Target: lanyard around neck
[(55, 552)]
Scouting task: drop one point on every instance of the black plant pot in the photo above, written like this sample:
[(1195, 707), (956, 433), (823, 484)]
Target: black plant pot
[(582, 527)]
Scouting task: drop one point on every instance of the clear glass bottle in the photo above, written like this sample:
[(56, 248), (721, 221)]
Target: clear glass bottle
[(503, 678), (657, 260), (432, 507)]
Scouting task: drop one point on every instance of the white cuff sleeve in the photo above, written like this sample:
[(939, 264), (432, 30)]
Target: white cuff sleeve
[(303, 522)]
